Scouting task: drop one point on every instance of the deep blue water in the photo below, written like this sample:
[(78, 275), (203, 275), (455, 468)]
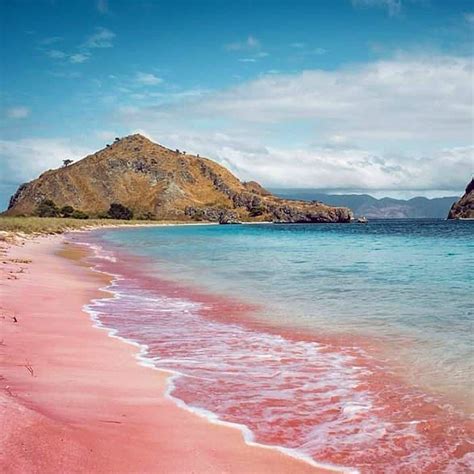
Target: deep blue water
[(407, 283)]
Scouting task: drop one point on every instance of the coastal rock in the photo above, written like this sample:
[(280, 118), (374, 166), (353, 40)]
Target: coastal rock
[(152, 180), (464, 208)]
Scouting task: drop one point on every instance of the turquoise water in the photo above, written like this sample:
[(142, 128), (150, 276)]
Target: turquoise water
[(407, 282), (348, 344)]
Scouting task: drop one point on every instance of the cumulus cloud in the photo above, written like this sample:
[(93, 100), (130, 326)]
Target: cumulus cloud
[(18, 112), (407, 98), (400, 122), (147, 79)]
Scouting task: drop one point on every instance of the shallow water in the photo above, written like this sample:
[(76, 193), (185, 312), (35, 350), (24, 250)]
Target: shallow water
[(349, 343)]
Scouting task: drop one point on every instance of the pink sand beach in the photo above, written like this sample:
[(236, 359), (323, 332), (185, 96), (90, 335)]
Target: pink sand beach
[(75, 400)]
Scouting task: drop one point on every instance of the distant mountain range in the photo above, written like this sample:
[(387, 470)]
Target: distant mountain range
[(368, 206)]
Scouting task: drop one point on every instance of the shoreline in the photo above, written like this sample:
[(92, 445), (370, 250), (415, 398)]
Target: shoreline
[(78, 401), (172, 375)]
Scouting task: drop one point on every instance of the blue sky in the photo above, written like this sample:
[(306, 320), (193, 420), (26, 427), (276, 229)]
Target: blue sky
[(367, 95)]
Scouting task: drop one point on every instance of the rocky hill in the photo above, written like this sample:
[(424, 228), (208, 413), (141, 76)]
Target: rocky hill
[(464, 208), (156, 182)]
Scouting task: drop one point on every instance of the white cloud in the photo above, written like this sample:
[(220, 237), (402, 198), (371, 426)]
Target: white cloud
[(407, 98), (404, 122), (147, 79), (102, 38), (18, 112), (79, 58), (393, 6), (23, 160)]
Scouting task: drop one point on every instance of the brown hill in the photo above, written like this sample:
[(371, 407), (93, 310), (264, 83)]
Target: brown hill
[(464, 208), (157, 182)]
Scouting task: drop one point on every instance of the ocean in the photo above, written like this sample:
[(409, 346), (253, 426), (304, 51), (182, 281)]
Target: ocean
[(347, 344)]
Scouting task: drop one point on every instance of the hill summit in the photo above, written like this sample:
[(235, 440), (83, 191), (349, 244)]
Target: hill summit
[(156, 182)]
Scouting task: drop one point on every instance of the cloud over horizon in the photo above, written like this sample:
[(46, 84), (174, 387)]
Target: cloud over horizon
[(399, 123)]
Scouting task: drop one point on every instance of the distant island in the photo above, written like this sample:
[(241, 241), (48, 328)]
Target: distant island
[(373, 208), (134, 177)]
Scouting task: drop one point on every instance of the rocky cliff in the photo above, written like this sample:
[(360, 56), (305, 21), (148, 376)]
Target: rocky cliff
[(160, 183), (464, 208)]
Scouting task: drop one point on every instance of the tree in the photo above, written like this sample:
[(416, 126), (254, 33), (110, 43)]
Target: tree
[(47, 208), (79, 215), (119, 211), (66, 211), (67, 162)]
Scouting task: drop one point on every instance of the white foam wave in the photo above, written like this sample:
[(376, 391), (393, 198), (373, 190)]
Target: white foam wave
[(143, 359)]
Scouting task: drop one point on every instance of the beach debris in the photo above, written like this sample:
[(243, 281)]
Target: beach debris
[(29, 367)]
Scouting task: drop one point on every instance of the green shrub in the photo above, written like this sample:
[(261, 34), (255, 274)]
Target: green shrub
[(47, 208), (79, 215), (147, 216), (119, 211), (66, 211)]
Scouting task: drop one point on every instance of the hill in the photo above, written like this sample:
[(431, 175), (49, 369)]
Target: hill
[(366, 205), (159, 183), (464, 208)]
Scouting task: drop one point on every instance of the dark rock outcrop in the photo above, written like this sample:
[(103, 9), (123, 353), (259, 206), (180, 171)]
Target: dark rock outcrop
[(153, 180), (464, 208)]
